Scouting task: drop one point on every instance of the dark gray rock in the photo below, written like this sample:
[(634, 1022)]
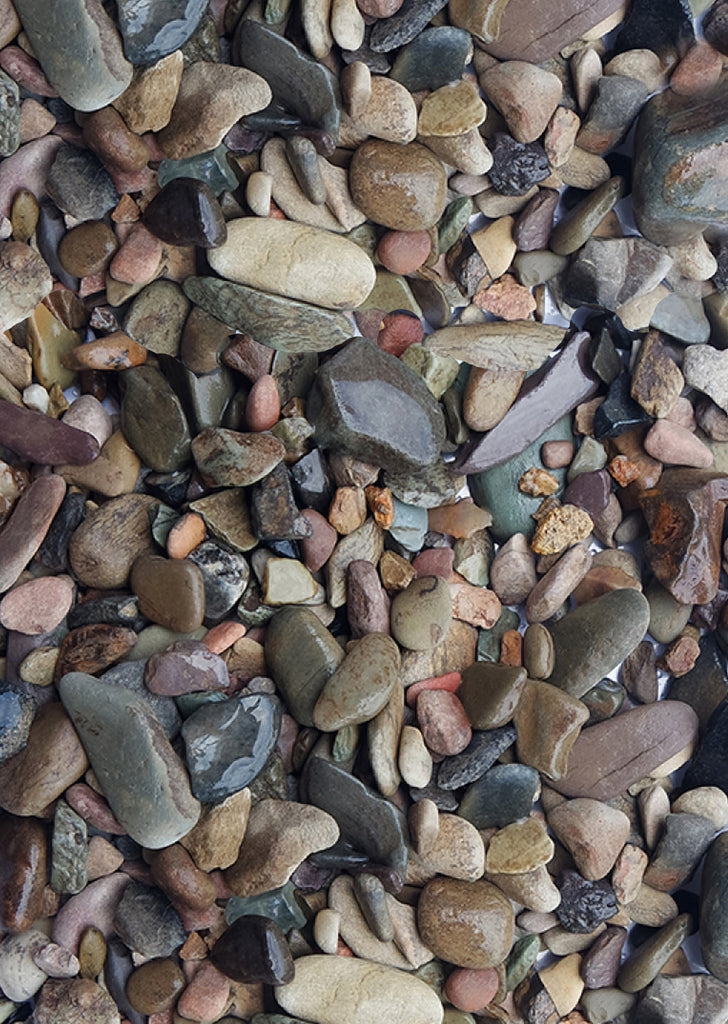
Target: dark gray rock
[(504, 794), (714, 909), (480, 754), (153, 28), (130, 675), (79, 184), (225, 575), (608, 272), (434, 58), (402, 27), (147, 922)]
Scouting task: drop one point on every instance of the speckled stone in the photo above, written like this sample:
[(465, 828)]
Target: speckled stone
[(401, 187)]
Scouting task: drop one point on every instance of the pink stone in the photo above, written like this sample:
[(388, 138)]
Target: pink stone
[(398, 332), (443, 722), (37, 606), (403, 252), (223, 635), (698, 71), (27, 168), (317, 548), (683, 414), (137, 261), (477, 605), (206, 996), (263, 406), (676, 446), (92, 807), (94, 905), (557, 454), (35, 121), (469, 989), (434, 562), (25, 71), (450, 681)]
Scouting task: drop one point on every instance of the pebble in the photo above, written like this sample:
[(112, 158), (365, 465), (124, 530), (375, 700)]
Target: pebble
[(473, 921), (400, 187), (155, 986), (420, 615), (526, 96), (147, 922), (593, 832), (23, 872)]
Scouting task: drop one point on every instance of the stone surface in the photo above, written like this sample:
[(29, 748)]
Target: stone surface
[(361, 686), (156, 805), (186, 212), (470, 924), (151, 31), (254, 949), (147, 922), (593, 832), (401, 187)]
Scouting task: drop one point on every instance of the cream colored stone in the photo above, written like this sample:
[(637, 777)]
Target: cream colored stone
[(526, 96), (415, 762), (644, 65), (356, 87), (326, 930), (355, 931), (584, 170), (693, 259), (316, 20), (654, 805), (295, 260), (709, 801), (215, 840), (457, 852), (258, 191), (467, 153), (560, 136), (338, 195), (347, 24), (563, 982), (424, 824), (383, 732), (287, 193), (562, 942), (636, 314), (533, 889), (652, 907), (586, 70), (331, 990), (493, 204), (390, 113), (519, 848), (406, 935), (496, 246)]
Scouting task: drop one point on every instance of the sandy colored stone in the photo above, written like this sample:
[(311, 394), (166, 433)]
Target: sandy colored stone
[(519, 848), (215, 840), (593, 832), (561, 527), (526, 96), (146, 104), (390, 112), (457, 851), (451, 110)]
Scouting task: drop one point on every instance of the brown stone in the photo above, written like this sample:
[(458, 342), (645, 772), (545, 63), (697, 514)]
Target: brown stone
[(104, 546), (155, 986), (171, 592), (469, 924), (52, 760), (22, 872), (93, 648), (401, 187), (548, 722)]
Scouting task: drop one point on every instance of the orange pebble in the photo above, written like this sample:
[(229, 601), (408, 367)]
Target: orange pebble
[(223, 635), (185, 535), (511, 652), (450, 681), (263, 407)]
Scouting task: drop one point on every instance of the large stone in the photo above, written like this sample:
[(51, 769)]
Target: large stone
[(139, 773), (680, 177), (301, 656), (469, 924), (151, 29), (332, 989), (78, 48), (684, 999), (296, 261), (400, 186), (367, 403)]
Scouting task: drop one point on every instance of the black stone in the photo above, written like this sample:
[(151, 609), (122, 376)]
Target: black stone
[(225, 576), (369, 404), (273, 509), (517, 166), (584, 904), (705, 686), (53, 552), (366, 820), (607, 363), (619, 412), (186, 212), (715, 26), (709, 766), (341, 856), (284, 548), (402, 27), (79, 184), (504, 794), (112, 610), (720, 278), (434, 58), (228, 744), (171, 488), (254, 950), (480, 754), (665, 26), (312, 482), (151, 29), (682, 844), (147, 922), (300, 85)]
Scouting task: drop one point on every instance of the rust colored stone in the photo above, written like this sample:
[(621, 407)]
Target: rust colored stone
[(511, 651), (380, 503), (116, 351), (22, 872), (91, 649)]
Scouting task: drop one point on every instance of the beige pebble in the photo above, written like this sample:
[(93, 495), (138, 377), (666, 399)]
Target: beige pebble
[(347, 24), (457, 852), (326, 930), (414, 760), (496, 246), (519, 848), (709, 801), (652, 907), (493, 204), (354, 929), (526, 96), (560, 136), (467, 152), (535, 890), (563, 982), (562, 942), (424, 823), (644, 65), (654, 805), (258, 189), (356, 87), (315, 17), (451, 110), (586, 70), (390, 113), (637, 313), (628, 873), (693, 259)]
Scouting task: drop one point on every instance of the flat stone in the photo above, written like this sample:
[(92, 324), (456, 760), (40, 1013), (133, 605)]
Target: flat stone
[(468, 923), (304, 259), (358, 991), (211, 99), (169, 810), (594, 638), (525, 94), (519, 848), (681, 846), (79, 184), (146, 104), (613, 755), (147, 922), (548, 722), (151, 31), (279, 836), (505, 793), (86, 66), (522, 345), (152, 578), (22, 872)]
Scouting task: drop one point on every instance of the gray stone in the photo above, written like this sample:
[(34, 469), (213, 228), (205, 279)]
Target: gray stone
[(130, 675), (69, 856), (16, 715), (682, 317), (684, 999), (79, 184), (225, 575), (9, 115), (480, 754), (147, 922), (140, 775), (611, 271), (505, 794), (434, 58), (151, 29)]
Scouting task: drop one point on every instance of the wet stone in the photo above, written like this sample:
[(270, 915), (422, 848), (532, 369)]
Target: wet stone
[(79, 184), (254, 949), (130, 676), (186, 212), (398, 186), (273, 510), (153, 578), (186, 666), (16, 714), (301, 655), (155, 986), (147, 922), (166, 447), (153, 30), (225, 575), (504, 794), (22, 872), (228, 744), (468, 923)]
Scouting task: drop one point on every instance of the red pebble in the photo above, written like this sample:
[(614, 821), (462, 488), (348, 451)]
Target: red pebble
[(443, 722), (470, 989), (398, 332), (263, 407), (434, 562), (450, 681), (403, 252)]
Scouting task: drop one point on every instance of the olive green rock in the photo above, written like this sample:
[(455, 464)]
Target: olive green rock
[(140, 775), (421, 614), (301, 655), (594, 638), (272, 320), (714, 908), (490, 693), (153, 421), (645, 963), (361, 686)]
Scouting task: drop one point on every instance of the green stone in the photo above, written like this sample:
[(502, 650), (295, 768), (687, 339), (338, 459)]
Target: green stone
[(155, 639), (489, 640), (272, 320), (604, 700), (211, 167), (301, 656), (497, 488), (437, 371), (227, 517), (645, 963), (69, 860), (668, 616), (157, 316), (520, 960), (153, 421), (589, 457), (280, 905), (9, 115), (345, 743), (204, 397), (391, 291), (454, 221)]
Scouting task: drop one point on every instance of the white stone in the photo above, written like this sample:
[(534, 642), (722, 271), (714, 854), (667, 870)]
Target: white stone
[(20, 977)]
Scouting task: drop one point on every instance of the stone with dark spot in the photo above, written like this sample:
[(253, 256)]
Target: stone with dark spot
[(664, 26), (619, 412), (611, 271), (584, 904), (517, 166)]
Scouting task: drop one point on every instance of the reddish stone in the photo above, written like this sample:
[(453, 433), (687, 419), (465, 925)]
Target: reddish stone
[(470, 989), (92, 807), (22, 872), (443, 722), (434, 562), (398, 332), (263, 407), (450, 681), (403, 252), (507, 299), (511, 652), (698, 71), (176, 873)]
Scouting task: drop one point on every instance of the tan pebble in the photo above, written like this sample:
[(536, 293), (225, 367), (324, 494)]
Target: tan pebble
[(451, 110), (390, 113), (628, 872), (326, 930), (356, 87), (91, 952), (593, 832), (586, 70), (414, 760), (263, 406), (584, 170), (474, 604), (560, 136), (563, 982), (396, 572), (644, 65), (535, 923), (496, 246), (347, 24), (35, 121), (654, 806), (467, 153), (103, 858), (652, 907), (561, 527), (258, 190), (146, 104), (185, 535), (533, 889), (538, 482), (709, 801), (525, 94), (562, 942), (348, 509), (424, 823), (206, 996), (116, 351), (519, 848), (457, 852)]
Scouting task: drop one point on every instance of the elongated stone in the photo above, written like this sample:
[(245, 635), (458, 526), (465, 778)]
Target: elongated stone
[(546, 396), (611, 756), (361, 686), (153, 421), (517, 345), (296, 261), (79, 49), (142, 778), (22, 872), (280, 323), (594, 638), (28, 525), (367, 403), (301, 656), (42, 439), (69, 865), (714, 909), (331, 989)]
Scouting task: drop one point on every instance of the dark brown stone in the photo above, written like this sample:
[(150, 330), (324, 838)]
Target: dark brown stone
[(39, 438), (22, 872), (91, 649), (254, 949)]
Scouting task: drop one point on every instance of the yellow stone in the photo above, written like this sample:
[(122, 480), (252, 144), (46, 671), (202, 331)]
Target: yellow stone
[(496, 246), (563, 982), (451, 110), (519, 848), (48, 341)]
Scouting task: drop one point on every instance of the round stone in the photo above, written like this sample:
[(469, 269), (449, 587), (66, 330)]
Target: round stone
[(155, 986), (469, 924), (87, 248), (422, 613), (401, 187)]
